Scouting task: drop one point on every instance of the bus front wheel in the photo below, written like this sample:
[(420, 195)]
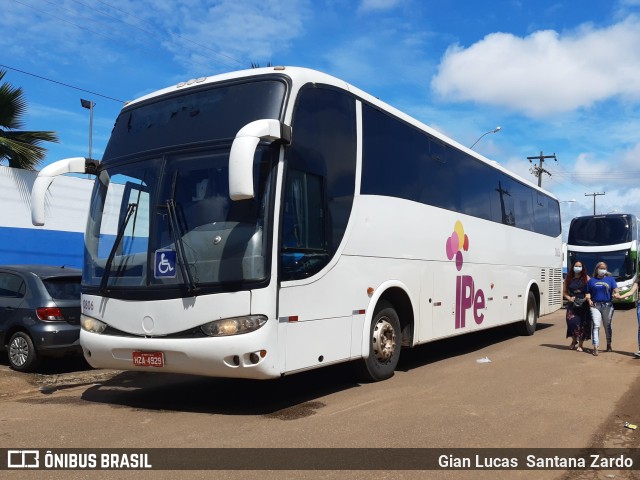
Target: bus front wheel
[(384, 344)]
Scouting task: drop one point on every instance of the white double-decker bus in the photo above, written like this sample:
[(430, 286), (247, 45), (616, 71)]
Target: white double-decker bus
[(611, 238), (269, 221)]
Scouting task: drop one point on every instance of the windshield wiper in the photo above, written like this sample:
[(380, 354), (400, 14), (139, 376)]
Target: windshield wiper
[(177, 240), (107, 267)]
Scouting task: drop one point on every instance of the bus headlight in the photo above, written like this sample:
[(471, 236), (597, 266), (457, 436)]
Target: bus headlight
[(234, 326), (92, 325)]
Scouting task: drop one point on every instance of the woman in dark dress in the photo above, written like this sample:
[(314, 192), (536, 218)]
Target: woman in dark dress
[(578, 317)]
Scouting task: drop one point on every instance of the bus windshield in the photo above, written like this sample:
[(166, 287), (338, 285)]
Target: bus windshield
[(212, 113), (160, 214), (594, 231), (620, 264), (177, 228)]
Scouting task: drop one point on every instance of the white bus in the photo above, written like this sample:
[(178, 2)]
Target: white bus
[(611, 238), (264, 222)]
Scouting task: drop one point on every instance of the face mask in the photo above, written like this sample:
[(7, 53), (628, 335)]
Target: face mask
[(602, 272), (577, 269)]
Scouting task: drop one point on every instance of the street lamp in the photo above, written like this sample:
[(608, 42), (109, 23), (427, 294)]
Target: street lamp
[(495, 130), (88, 104)]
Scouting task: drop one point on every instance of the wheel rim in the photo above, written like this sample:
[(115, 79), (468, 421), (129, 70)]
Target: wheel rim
[(531, 317), (19, 351), (384, 340)]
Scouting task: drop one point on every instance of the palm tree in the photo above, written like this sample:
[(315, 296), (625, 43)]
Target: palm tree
[(20, 148)]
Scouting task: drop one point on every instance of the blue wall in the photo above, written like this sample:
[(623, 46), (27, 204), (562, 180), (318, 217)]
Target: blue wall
[(36, 246), (61, 240)]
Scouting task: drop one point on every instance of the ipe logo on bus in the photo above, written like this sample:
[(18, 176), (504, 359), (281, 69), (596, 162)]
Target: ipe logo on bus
[(466, 295)]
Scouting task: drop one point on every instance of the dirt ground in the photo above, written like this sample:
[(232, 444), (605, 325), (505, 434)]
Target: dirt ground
[(72, 377)]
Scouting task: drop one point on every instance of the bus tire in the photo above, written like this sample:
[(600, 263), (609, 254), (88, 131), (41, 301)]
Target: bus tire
[(385, 342), (530, 322)]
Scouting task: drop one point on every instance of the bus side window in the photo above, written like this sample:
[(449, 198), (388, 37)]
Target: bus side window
[(303, 222), (319, 180), (303, 225)]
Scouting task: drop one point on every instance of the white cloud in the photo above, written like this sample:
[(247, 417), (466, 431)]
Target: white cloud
[(546, 72), (249, 30), (391, 55), (620, 169), (199, 35), (377, 5), (522, 168), (615, 176)]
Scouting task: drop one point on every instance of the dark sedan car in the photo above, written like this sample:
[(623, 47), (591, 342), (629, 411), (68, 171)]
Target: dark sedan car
[(39, 313)]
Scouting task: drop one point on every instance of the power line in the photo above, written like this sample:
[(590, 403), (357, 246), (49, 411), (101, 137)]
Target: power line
[(627, 174), (562, 173), (62, 83), (63, 19)]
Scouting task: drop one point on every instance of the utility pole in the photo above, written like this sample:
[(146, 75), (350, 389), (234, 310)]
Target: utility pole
[(538, 170), (594, 195)]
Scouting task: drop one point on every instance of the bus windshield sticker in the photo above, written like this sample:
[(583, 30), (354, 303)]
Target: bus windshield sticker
[(165, 264)]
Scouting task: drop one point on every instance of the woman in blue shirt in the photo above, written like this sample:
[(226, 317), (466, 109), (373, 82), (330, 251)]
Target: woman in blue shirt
[(601, 289)]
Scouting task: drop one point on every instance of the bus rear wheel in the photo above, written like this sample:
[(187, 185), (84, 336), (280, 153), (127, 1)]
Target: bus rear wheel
[(530, 322), (384, 344)]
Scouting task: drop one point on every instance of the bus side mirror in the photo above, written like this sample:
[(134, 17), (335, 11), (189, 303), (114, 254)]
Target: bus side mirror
[(45, 177), (243, 150)]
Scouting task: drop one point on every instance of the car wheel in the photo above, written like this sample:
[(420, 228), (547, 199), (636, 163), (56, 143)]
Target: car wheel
[(22, 354), (384, 345)]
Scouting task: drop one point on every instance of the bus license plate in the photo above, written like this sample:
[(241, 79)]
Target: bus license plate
[(148, 359)]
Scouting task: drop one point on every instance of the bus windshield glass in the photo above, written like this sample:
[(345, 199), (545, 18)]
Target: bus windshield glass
[(160, 216), (595, 231), (210, 113), (169, 223), (620, 264)]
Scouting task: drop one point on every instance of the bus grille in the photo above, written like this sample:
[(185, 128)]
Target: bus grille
[(555, 287)]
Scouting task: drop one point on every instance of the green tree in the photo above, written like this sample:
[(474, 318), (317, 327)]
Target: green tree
[(20, 148)]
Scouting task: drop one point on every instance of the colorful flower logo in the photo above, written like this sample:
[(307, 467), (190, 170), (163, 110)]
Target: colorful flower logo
[(457, 242)]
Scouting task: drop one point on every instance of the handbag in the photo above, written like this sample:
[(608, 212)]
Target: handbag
[(578, 302)]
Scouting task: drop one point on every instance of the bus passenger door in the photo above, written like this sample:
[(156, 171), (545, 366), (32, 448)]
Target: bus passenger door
[(316, 300), (311, 311)]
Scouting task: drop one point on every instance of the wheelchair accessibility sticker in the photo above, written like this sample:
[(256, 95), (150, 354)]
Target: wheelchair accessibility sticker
[(165, 264)]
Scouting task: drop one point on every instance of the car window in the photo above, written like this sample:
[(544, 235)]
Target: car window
[(67, 288), (11, 285)]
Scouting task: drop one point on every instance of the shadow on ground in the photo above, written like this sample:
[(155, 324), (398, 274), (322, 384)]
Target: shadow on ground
[(54, 365), (286, 398)]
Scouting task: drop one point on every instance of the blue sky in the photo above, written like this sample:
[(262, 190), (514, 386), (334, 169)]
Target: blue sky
[(558, 77)]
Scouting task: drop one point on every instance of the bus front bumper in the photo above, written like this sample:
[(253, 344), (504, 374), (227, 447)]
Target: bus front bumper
[(243, 356)]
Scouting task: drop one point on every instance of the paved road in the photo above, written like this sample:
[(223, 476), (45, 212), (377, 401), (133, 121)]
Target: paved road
[(534, 393)]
